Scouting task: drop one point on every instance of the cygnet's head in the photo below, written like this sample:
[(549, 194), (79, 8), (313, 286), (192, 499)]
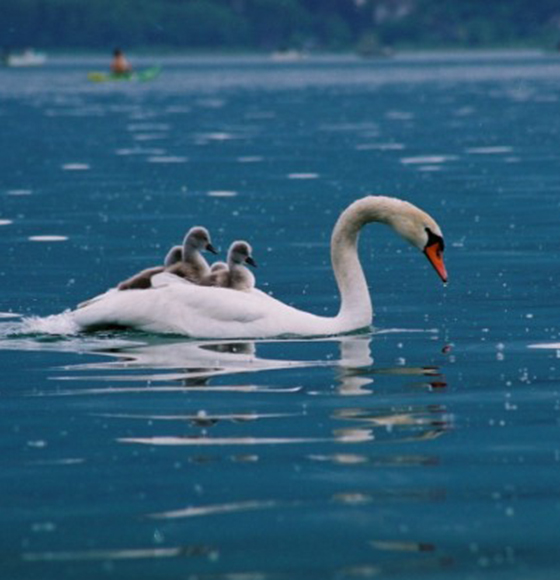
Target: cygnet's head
[(198, 238), (241, 253), (421, 231), (174, 255)]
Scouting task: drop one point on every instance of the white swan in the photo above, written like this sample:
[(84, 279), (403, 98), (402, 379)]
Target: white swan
[(234, 274), (176, 306), (193, 266)]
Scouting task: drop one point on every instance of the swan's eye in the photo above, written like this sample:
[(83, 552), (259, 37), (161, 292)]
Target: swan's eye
[(435, 240)]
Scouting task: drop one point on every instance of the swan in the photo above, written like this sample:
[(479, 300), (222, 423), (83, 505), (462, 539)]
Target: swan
[(175, 306), (193, 266), (233, 274), (184, 261)]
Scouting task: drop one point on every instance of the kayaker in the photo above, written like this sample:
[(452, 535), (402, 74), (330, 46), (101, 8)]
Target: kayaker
[(120, 66)]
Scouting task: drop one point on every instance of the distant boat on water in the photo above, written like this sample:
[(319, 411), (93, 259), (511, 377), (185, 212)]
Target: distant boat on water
[(143, 75), (24, 58), (291, 55)]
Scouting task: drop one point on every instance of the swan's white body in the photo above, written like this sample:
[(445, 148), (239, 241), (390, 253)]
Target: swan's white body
[(176, 306)]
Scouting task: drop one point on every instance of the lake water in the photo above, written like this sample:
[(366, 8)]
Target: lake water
[(427, 448)]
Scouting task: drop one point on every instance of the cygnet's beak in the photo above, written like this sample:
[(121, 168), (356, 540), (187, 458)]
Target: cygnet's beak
[(249, 260), (211, 248), (434, 253)]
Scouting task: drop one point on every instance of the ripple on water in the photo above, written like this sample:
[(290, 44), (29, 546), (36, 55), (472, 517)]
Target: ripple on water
[(380, 147), (149, 136), (354, 436), (303, 175), (223, 193), (75, 167), (148, 127), (214, 509), (249, 159), (140, 151), (496, 150), (47, 238), (167, 159), (122, 554), (217, 136), (427, 159), (17, 192), (9, 315)]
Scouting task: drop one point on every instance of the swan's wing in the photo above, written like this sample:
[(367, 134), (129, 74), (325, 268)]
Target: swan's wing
[(177, 306), (141, 280), (223, 305), (97, 298), (167, 278)]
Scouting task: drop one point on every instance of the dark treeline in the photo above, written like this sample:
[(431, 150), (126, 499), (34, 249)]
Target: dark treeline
[(277, 24)]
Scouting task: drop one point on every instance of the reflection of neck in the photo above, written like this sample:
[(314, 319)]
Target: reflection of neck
[(355, 354)]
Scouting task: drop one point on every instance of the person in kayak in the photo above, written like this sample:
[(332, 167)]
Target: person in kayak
[(120, 65)]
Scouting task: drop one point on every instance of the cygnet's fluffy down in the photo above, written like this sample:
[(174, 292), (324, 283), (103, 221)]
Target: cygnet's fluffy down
[(143, 279), (193, 267), (175, 261), (234, 275)]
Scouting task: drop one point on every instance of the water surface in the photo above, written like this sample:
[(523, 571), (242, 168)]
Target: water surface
[(426, 448)]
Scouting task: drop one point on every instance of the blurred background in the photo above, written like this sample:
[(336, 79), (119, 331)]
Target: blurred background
[(365, 26)]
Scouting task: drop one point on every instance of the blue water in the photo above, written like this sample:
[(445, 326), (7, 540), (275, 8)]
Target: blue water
[(427, 448)]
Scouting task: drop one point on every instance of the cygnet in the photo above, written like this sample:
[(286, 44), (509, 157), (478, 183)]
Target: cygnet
[(193, 267), (235, 275)]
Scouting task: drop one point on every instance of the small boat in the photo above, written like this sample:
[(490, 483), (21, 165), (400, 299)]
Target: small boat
[(28, 57), (291, 55), (147, 74)]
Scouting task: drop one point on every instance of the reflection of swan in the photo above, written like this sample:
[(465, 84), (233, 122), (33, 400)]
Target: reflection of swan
[(234, 275), (175, 307), (195, 363)]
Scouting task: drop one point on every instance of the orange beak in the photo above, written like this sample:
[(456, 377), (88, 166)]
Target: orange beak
[(434, 253)]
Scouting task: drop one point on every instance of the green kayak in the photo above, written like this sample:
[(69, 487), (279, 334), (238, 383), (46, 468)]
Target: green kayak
[(143, 75)]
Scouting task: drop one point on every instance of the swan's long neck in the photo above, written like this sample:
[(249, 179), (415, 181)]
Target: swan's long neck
[(355, 308)]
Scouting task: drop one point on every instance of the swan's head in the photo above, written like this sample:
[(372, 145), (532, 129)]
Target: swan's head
[(241, 253), (198, 238), (174, 255), (421, 231)]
